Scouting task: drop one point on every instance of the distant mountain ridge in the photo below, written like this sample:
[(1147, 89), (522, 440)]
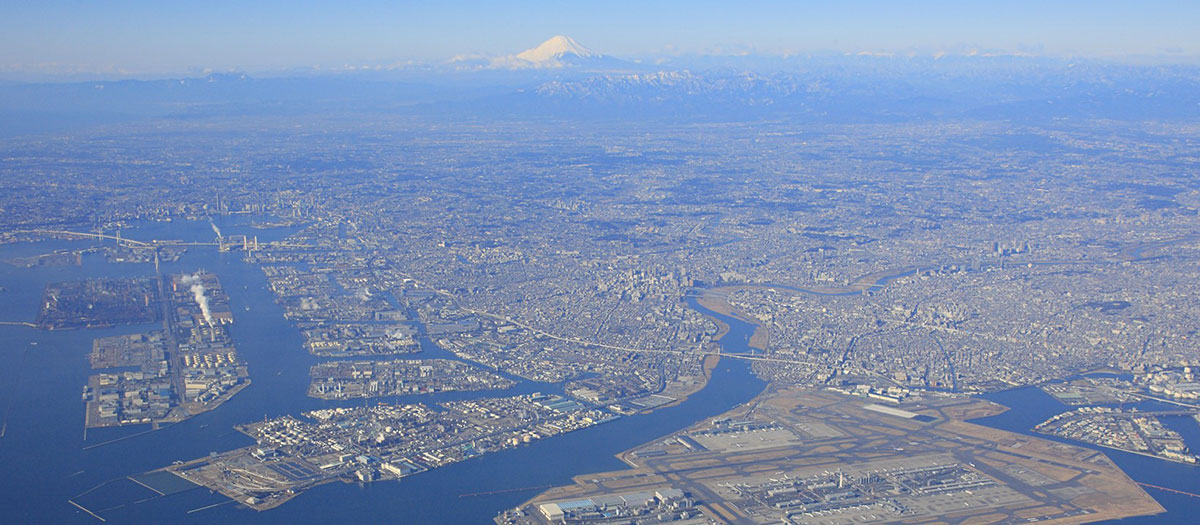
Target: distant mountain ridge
[(562, 78)]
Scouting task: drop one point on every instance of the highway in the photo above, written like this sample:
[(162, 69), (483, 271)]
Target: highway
[(220, 242)]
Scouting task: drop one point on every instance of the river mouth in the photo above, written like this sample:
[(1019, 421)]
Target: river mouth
[(44, 439), (474, 491)]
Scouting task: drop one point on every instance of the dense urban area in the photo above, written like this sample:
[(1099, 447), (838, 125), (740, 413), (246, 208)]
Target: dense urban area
[(896, 263)]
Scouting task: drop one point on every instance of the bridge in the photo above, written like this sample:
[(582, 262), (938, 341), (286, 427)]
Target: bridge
[(89, 235), (221, 242), (18, 323), (1167, 489)]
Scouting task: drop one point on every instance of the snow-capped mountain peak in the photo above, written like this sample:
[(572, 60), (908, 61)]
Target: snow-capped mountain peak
[(554, 49), (558, 54)]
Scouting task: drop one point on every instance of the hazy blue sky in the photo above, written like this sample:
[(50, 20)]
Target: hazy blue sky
[(163, 36)]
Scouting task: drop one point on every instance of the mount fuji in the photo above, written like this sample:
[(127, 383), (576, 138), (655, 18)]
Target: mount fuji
[(558, 53)]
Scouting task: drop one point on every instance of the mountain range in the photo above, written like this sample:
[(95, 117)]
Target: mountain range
[(563, 78)]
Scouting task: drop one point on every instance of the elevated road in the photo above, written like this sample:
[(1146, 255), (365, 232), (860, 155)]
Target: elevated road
[(155, 242), (88, 235)]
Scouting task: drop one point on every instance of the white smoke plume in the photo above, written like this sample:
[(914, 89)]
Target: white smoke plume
[(215, 229), (197, 287)]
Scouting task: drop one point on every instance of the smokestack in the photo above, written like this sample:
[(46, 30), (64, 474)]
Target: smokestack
[(197, 288), (215, 229)]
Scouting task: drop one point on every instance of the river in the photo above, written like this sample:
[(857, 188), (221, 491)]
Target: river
[(48, 462)]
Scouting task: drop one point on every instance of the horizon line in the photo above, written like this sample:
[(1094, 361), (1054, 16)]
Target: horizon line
[(47, 73)]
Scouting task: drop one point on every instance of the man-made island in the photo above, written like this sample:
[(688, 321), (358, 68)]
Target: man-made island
[(188, 367), (378, 443), (817, 456)]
